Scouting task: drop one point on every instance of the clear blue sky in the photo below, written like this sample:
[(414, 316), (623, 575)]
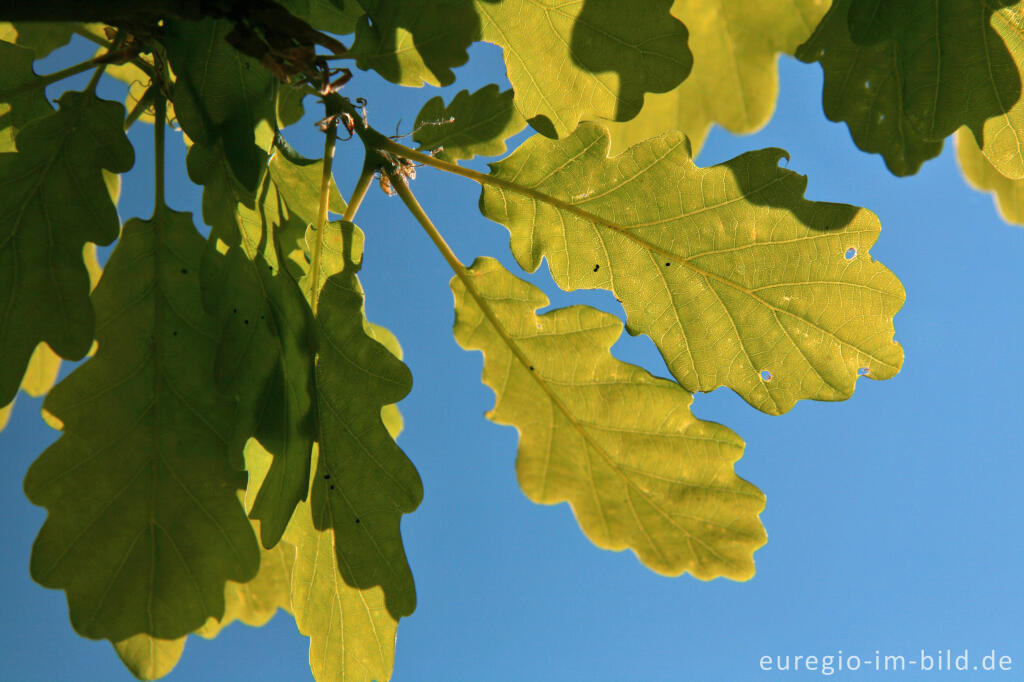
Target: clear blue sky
[(893, 517)]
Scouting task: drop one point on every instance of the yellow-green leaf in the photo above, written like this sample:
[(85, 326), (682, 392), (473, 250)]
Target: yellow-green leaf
[(569, 61), (734, 81), (53, 180), (363, 483), (981, 175), (144, 527), (738, 279), (656, 480), (473, 124)]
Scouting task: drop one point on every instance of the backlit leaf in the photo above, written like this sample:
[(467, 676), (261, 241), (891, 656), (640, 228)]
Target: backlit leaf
[(1008, 194), (266, 353), (412, 42), (573, 60), (907, 75), (734, 81), (42, 37), (363, 483), (221, 95), (22, 98), (656, 480), (472, 125), (49, 185), (144, 525), (738, 279)]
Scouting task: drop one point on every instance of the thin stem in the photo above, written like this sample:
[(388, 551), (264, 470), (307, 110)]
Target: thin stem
[(389, 145), (89, 35), (116, 45), (402, 188), (321, 214), (141, 106), (365, 178), (158, 152)]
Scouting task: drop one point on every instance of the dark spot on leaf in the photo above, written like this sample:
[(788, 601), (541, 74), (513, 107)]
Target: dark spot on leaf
[(184, 271), (597, 267), (327, 477), (531, 368), (357, 520), (174, 333), (332, 486), (235, 310), (667, 264)]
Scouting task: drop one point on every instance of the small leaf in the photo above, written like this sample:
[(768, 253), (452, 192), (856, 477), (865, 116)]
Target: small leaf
[(144, 526), (149, 658), (472, 125), (734, 81), (738, 279), (22, 97), (981, 175), (49, 185), (568, 61), (412, 42), (221, 95), (656, 480)]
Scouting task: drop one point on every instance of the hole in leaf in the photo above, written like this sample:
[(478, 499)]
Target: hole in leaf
[(867, 85), (881, 117), (850, 253), (863, 371), (766, 375)]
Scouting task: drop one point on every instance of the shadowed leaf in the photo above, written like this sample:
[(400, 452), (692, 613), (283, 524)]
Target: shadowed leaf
[(266, 354), (363, 482), (221, 95), (49, 185), (472, 125), (738, 279), (904, 76), (412, 42), (656, 480), (734, 81), (144, 525), (42, 37), (584, 59), (22, 97)]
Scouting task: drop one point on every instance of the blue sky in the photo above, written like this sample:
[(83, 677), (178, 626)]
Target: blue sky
[(892, 517)]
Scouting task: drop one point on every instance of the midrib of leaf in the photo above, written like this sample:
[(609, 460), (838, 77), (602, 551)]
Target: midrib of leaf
[(536, 195), (630, 485)]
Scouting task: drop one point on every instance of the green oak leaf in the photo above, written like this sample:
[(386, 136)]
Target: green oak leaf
[(904, 76), (144, 525), (738, 279), (657, 480), (412, 42), (351, 630), (333, 16), (734, 82), (254, 602), (571, 60), (265, 356), (221, 95), (55, 178), (41, 37), (472, 125), (981, 175), (22, 95), (363, 483)]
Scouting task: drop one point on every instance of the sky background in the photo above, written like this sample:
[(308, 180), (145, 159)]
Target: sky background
[(892, 517)]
